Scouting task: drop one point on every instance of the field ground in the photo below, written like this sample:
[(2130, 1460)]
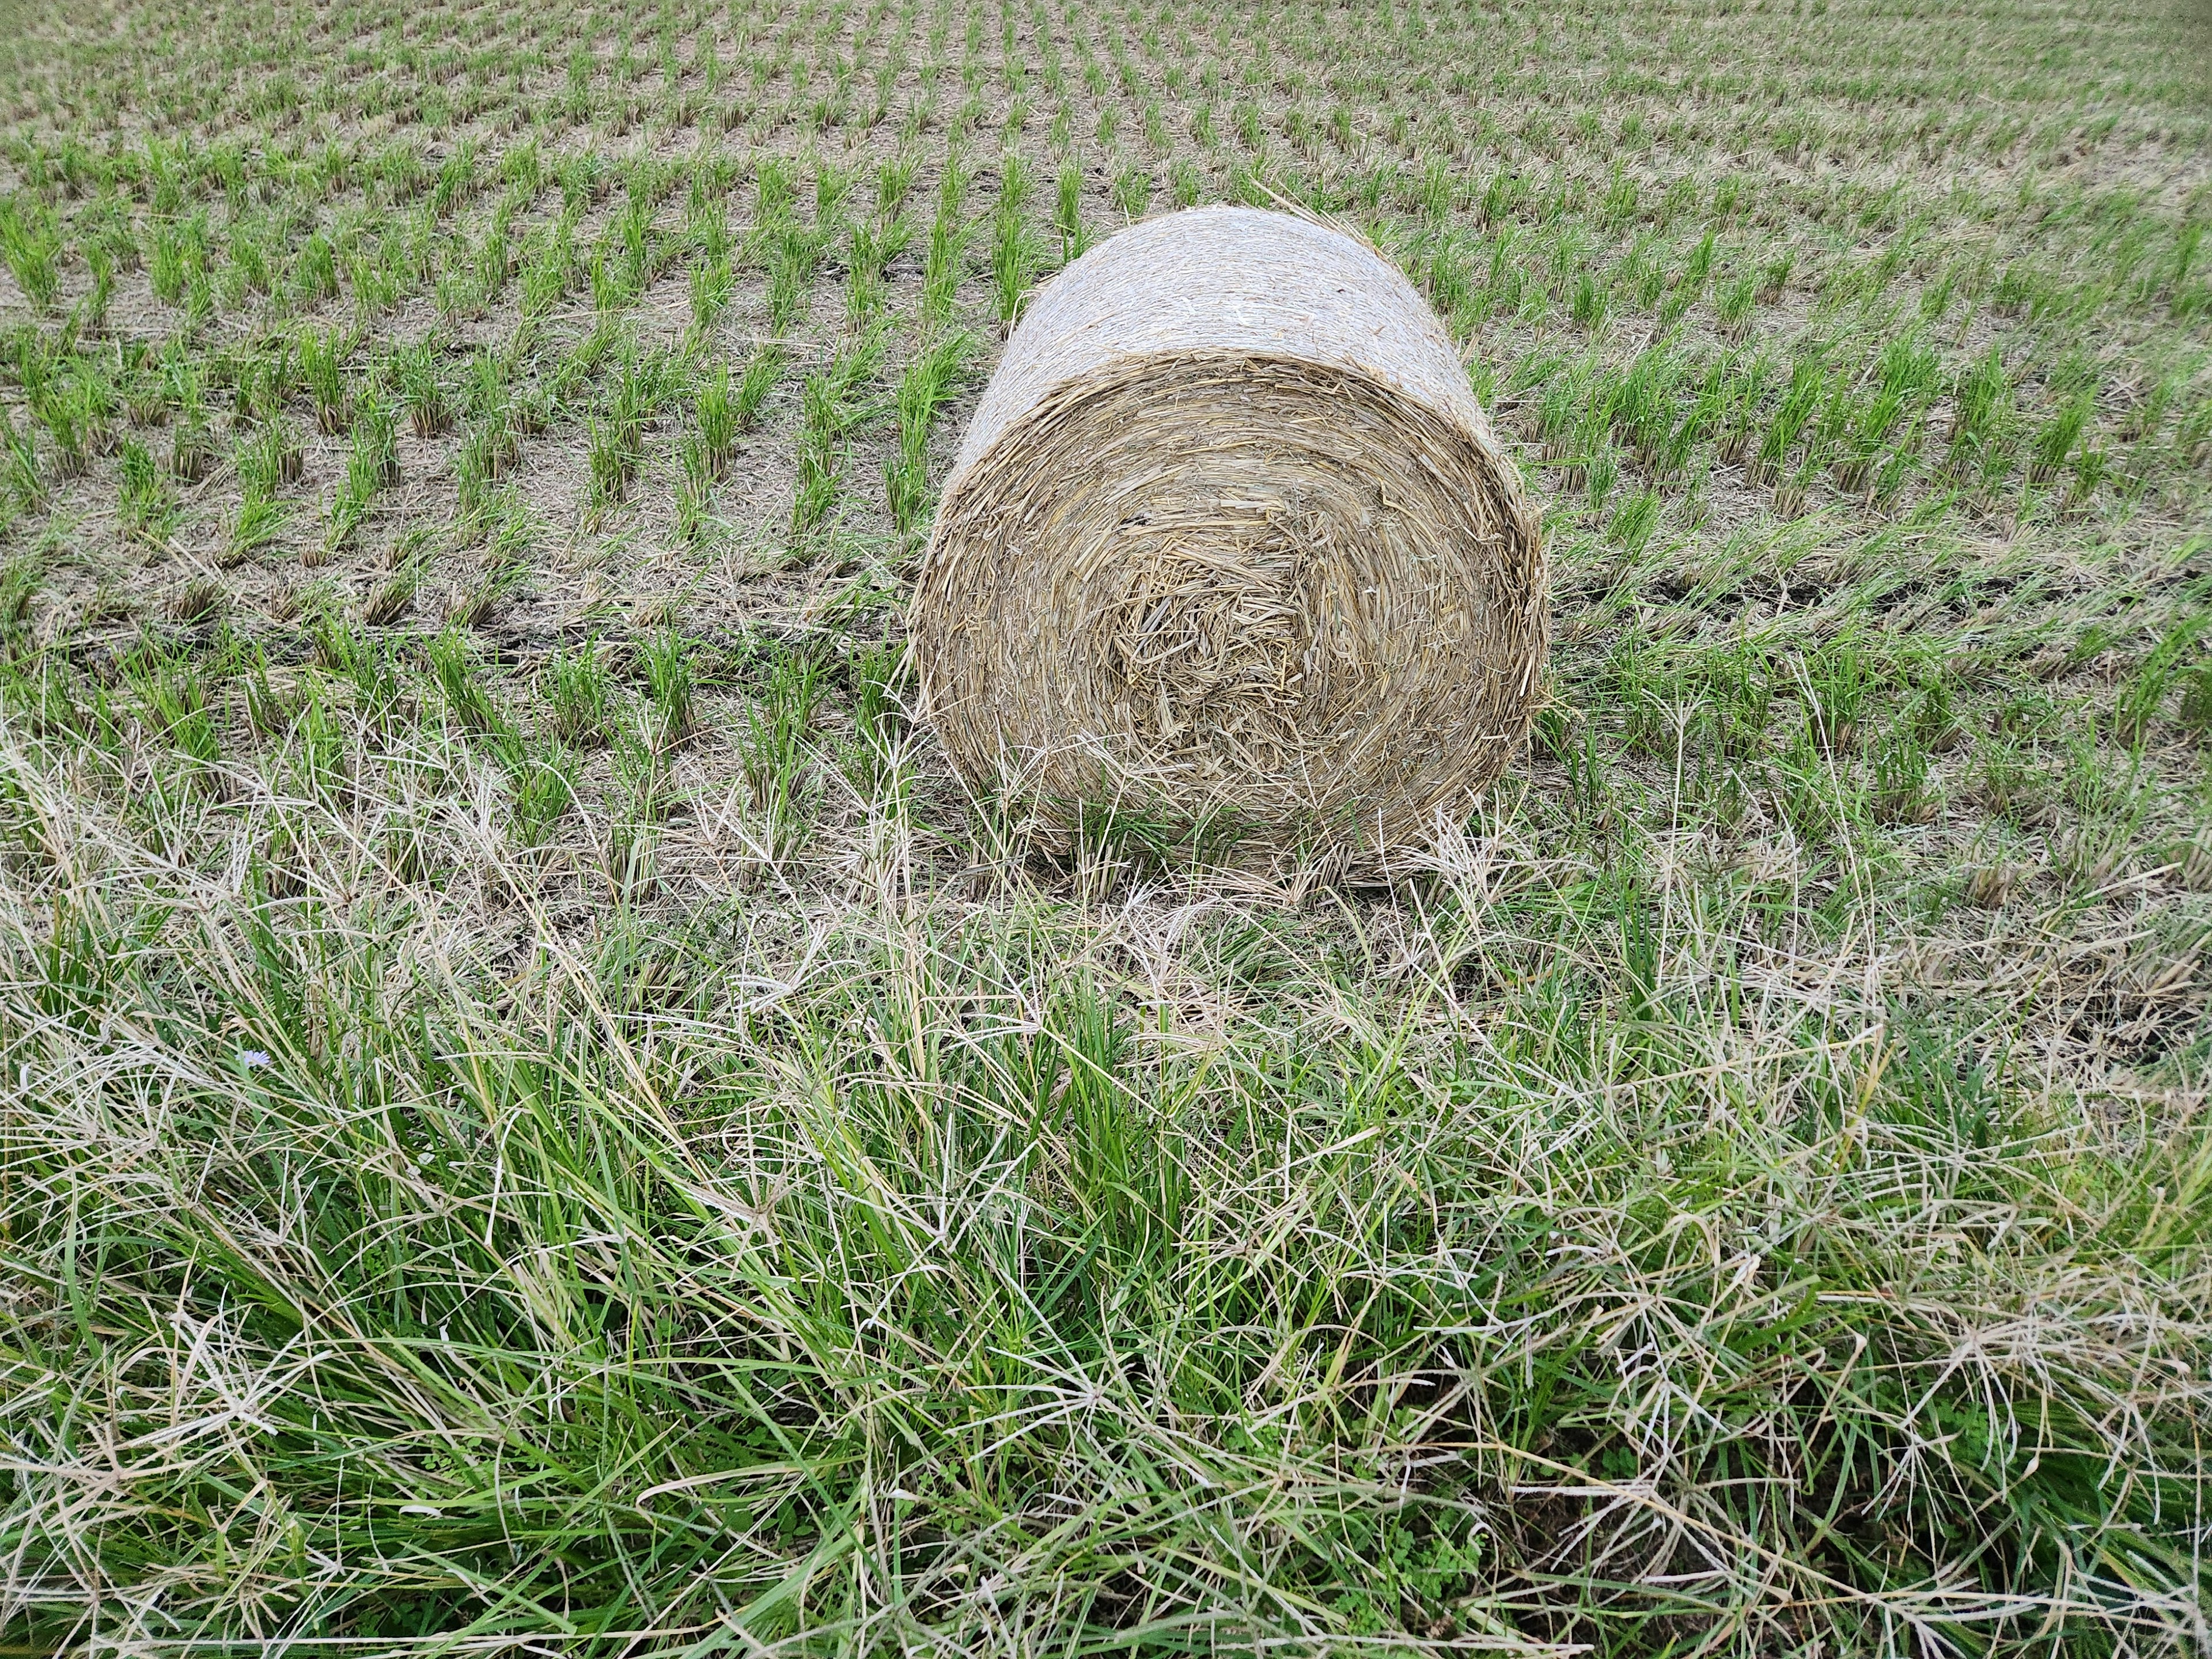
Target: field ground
[(541, 1117)]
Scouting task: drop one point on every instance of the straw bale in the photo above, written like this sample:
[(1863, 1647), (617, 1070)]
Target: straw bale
[(1231, 546)]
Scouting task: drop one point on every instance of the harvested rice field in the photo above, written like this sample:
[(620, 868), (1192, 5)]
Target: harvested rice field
[(542, 1115)]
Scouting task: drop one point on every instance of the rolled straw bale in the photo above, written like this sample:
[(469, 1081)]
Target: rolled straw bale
[(1231, 544)]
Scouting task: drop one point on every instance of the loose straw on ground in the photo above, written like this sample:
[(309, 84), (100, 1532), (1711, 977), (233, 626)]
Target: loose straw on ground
[(1229, 548)]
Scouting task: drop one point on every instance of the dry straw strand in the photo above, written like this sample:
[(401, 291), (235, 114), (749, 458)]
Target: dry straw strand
[(1231, 544)]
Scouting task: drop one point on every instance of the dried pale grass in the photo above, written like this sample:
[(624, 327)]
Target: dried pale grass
[(1230, 545)]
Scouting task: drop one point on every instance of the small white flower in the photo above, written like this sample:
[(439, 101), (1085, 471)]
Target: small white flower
[(252, 1058)]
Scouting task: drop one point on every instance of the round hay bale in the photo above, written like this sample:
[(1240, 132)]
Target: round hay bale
[(1230, 550)]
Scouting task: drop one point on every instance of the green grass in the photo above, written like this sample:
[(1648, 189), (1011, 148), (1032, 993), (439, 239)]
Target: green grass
[(541, 1116)]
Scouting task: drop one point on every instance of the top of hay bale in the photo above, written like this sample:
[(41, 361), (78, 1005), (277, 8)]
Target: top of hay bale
[(1214, 280)]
